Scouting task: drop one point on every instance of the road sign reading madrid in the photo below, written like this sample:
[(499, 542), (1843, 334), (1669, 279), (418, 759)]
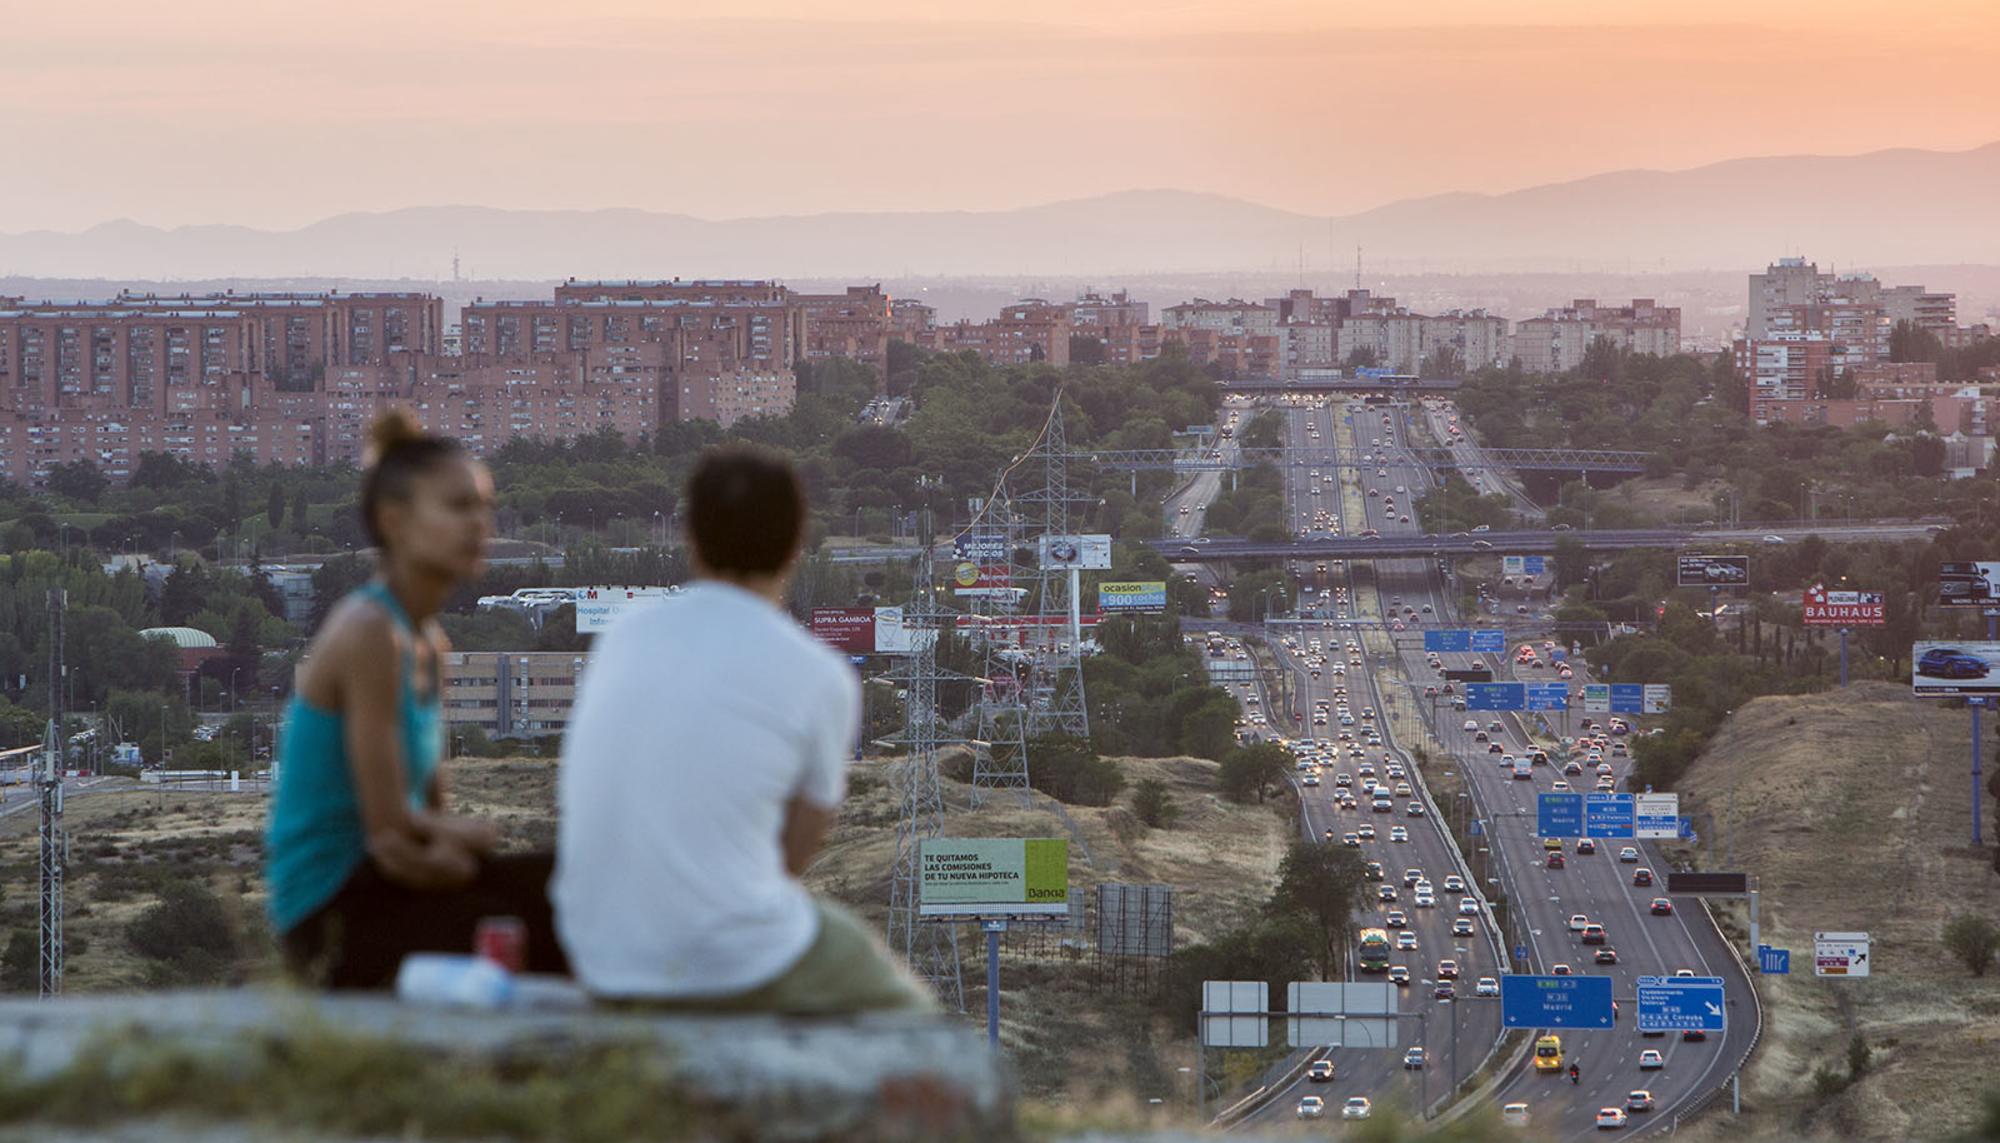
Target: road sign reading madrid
[(1555, 1001), (1495, 696), (1547, 696), (1674, 1003), (1559, 815), (1607, 815), (1462, 640)]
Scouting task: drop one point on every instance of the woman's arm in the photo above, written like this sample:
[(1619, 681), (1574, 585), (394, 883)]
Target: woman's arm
[(407, 844)]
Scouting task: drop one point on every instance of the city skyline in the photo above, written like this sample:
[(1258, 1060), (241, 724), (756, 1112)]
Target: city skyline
[(282, 120)]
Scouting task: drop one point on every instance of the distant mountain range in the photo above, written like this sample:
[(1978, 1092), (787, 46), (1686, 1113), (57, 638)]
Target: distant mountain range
[(1901, 206)]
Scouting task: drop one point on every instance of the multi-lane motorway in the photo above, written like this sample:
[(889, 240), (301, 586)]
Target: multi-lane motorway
[(1390, 681)]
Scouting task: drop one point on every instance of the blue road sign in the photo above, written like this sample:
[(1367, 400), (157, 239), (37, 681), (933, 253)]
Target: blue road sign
[(1774, 962), (1628, 698), (1559, 815), (1548, 696), (1520, 952), (1478, 827), (1608, 815), (1533, 565), (1675, 1003), (1489, 642), (1495, 696), (1687, 827), (1451, 640), (1555, 1001), (858, 660)]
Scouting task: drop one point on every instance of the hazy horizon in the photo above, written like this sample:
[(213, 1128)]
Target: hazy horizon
[(217, 112)]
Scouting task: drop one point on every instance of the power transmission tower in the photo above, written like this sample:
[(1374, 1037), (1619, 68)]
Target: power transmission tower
[(1058, 705), (931, 949), (49, 784), (1000, 756)]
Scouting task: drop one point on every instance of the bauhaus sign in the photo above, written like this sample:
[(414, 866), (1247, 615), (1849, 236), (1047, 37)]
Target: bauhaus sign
[(1825, 608)]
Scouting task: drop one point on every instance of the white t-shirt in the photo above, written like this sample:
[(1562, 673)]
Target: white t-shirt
[(699, 719)]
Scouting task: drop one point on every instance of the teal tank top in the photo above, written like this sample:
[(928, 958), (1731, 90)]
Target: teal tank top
[(315, 839)]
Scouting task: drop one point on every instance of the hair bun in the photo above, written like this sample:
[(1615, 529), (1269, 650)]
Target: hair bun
[(393, 426)]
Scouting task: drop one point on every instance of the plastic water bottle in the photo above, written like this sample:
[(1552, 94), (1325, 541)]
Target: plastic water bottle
[(452, 981)]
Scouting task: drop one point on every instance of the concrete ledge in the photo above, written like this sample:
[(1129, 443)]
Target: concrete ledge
[(869, 1077)]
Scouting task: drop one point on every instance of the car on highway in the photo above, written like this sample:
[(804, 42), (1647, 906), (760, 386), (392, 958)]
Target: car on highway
[(1462, 927), (1351, 840), (1610, 1118), (1639, 1100), (1606, 955), (1412, 875), (1468, 907), (1444, 990), (1399, 833), (1396, 919), (1628, 855), (1406, 941), (1651, 1060), (1426, 900), (1556, 860), (1642, 877), (1320, 1072), (1399, 974), (1453, 883), (1386, 893), (1356, 1107), (1447, 970), (1514, 1115), (1662, 907), (1365, 831), (1312, 1107), (1414, 1059), (1693, 1035), (1774, 538), (1586, 845), (1373, 871), (1309, 780), (1593, 934), (1578, 922)]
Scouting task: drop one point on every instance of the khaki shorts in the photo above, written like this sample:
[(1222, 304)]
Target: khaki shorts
[(846, 969)]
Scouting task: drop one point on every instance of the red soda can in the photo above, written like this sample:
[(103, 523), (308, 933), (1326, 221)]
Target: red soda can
[(502, 940)]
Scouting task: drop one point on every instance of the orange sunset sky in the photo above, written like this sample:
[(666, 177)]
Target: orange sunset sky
[(273, 114)]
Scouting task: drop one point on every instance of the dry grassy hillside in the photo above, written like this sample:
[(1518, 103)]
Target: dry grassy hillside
[(1076, 1039), (1853, 810)]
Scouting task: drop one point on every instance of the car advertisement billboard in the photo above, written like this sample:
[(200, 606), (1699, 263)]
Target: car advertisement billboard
[(1825, 608), (1138, 595), (1711, 571), (1085, 553), (1938, 668), (1969, 585), (993, 877)]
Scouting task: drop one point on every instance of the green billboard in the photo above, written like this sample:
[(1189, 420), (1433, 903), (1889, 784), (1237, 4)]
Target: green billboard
[(993, 877)]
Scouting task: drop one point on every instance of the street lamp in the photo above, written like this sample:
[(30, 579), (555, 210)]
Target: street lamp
[(233, 672)]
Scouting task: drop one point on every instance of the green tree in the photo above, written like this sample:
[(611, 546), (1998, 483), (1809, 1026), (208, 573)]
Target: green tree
[(1253, 769), (274, 506), (1974, 940), (1572, 562), (78, 481), (301, 520), (1322, 883), (1154, 805)]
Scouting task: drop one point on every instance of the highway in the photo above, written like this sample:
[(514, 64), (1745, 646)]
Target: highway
[(1391, 680), (1457, 1035), (1598, 886), (1409, 542)]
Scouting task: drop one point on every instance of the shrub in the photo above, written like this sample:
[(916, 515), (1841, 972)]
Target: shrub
[(1974, 940), (187, 934), (1828, 1083), (1859, 1056), (1154, 805)]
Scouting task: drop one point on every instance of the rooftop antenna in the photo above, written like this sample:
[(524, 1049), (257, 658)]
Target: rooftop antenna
[(454, 265), (1357, 265)]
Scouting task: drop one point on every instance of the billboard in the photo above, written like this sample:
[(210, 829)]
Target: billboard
[(1969, 585), (976, 580), (1522, 565), (993, 877), (1825, 608), (1711, 571), (893, 638), (1138, 595), (849, 629), (980, 548), (597, 608), (1955, 668), (1085, 553)]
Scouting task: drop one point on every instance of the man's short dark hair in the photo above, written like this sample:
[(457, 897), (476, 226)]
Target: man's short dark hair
[(746, 512)]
